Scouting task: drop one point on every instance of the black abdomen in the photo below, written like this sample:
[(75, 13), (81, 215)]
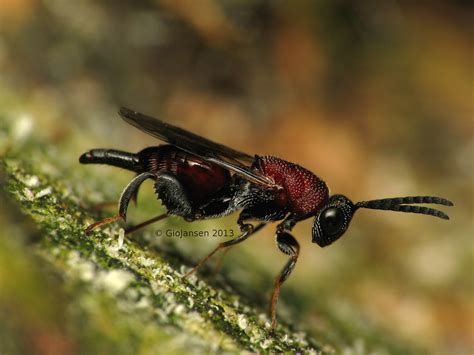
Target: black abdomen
[(111, 157)]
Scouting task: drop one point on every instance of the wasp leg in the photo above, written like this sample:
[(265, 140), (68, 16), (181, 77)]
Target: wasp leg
[(133, 229), (288, 245), (102, 222), (134, 197), (108, 204), (125, 198), (102, 205), (246, 214), (221, 259), (246, 229), (174, 197), (266, 212), (227, 247)]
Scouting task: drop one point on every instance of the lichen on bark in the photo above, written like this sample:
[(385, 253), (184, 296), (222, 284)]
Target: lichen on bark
[(106, 272), (117, 293)]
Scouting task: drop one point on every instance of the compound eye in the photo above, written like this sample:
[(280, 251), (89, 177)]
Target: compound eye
[(332, 221)]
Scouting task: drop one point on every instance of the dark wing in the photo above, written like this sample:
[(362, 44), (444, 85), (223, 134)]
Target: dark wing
[(208, 150)]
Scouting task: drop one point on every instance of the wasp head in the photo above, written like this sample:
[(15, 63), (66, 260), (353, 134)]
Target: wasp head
[(332, 221)]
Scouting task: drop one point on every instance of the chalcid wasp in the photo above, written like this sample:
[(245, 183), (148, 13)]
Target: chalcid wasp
[(197, 179)]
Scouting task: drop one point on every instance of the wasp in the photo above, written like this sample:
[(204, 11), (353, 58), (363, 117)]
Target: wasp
[(196, 179)]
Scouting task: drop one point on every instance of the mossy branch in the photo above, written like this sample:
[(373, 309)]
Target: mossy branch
[(143, 285)]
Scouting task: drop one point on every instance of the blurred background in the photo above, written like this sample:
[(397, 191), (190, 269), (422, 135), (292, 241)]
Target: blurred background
[(375, 97)]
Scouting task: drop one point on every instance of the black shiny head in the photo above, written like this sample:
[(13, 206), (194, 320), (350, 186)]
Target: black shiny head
[(332, 221)]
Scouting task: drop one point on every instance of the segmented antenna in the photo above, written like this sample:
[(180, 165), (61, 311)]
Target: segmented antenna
[(400, 204)]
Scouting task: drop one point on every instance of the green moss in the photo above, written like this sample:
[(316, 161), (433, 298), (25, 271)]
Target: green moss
[(131, 295), (139, 282)]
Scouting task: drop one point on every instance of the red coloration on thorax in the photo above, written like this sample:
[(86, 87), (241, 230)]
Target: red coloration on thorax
[(302, 190), (201, 179)]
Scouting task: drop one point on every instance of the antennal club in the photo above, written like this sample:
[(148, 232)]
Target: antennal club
[(402, 204)]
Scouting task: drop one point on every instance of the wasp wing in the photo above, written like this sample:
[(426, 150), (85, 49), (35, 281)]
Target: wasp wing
[(208, 150)]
